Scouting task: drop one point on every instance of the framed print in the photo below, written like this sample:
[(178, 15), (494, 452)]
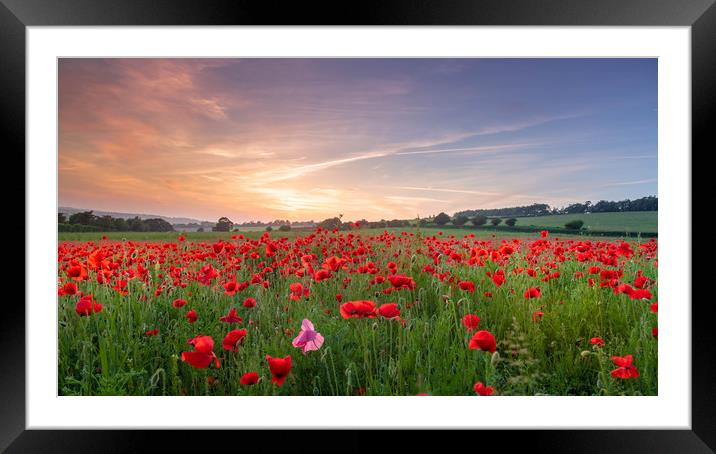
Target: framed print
[(436, 218)]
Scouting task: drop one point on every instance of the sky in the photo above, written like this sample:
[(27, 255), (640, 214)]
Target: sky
[(308, 139)]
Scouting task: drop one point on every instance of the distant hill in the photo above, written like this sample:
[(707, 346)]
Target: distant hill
[(172, 220)]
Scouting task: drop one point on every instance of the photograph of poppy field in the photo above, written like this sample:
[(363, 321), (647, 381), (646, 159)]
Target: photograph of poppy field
[(357, 227)]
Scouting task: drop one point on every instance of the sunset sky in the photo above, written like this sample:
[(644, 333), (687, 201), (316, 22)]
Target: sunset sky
[(300, 139)]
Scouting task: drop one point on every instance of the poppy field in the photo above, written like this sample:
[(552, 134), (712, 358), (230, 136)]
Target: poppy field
[(359, 312)]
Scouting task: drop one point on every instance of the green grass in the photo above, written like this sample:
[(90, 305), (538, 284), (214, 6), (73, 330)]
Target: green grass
[(109, 354), (633, 221), (255, 233), (154, 236)]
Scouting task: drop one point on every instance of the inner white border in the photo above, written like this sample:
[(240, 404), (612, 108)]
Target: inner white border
[(671, 409)]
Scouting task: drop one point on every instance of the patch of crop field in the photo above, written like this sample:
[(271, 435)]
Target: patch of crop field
[(362, 312), (632, 221), (445, 231), (165, 236)]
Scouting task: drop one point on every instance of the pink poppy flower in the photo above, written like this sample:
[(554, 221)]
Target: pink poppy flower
[(308, 339)]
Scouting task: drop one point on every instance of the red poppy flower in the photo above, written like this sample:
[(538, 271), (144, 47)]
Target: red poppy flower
[(470, 321), (655, 331), (207, 274), (358, 309), (230, 288), (537, 316), (233, 339), (87, 305), (640, 281), (483, 390), (483, 340), (321, 275), (596, 341), (232, 317), (77, 272), (249, 378), (654, 307), (401, 281), (153, 332), (389, 310), (280, 368), (70, 288), (467, 285), (203, 353), (191, 316), (249, 303), (625, 369), (498, 278), (532, 292), (339, 297), (544, 233), (333, 263), (296, 291), (640, 294), (178, 303)]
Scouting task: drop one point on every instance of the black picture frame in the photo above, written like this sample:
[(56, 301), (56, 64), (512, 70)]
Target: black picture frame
[(16, 15)]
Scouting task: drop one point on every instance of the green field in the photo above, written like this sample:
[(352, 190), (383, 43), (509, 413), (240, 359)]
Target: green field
[(498, 233), (633, 221)]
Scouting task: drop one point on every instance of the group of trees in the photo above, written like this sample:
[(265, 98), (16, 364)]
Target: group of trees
[(337, 223), (649, 203), (87, 220), (199, 227), (224, 224), (479, 220), (274, 223), (536, 209), (461, 219)]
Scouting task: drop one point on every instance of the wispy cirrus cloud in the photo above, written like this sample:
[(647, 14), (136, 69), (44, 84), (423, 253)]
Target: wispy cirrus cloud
[(483, 149), (455, 191), (631, 183)]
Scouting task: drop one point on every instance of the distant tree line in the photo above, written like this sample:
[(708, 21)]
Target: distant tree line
[(88, 221), (276, 222), (194, 226), (649, 203), (336, 223), (537, 209)]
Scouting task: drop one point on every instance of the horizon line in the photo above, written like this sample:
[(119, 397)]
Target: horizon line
[(418, 216)]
